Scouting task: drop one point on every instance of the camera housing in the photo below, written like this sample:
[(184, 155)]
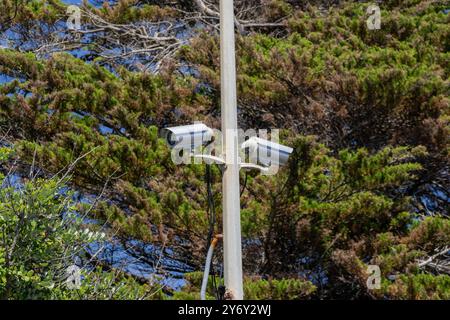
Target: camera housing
[(267, 153), (189, 136)]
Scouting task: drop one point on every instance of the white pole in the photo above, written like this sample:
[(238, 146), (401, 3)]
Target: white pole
[(231, 196)]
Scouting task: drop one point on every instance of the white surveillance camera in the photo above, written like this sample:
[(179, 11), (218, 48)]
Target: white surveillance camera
[(191, 136), (268, 153)]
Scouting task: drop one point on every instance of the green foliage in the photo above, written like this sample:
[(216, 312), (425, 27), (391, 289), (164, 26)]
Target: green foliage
[(342, 216), (421, 287), (126, 11), (342, 203), (333, 77), (25, 12), (284, 289), (254, 289), (42, 233)]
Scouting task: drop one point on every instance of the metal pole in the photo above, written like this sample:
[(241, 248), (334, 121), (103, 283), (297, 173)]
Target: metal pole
[(231, 196)]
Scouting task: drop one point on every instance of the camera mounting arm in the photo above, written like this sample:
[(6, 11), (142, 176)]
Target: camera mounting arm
[(253, 166), (221, 161)]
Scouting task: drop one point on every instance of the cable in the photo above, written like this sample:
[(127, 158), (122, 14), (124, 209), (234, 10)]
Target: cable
[(212, 222), (244, 186), (207, 267), (211, 207), (206, 271), (216, 289), (221, 289)]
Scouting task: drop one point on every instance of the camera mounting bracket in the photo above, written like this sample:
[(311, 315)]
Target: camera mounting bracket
[(221, 161)]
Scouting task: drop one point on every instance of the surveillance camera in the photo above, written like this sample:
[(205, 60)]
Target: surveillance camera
[(266, 152), (191, 136)]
